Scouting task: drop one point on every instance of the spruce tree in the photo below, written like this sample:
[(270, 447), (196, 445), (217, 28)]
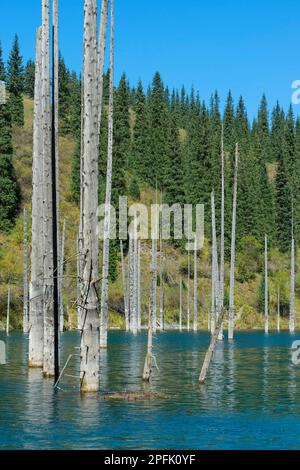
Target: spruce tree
[(29, 77), (15, 84), (9, 194), (2, 66), (140, 163)]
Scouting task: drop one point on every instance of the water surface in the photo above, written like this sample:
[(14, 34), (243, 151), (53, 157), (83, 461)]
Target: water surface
[(251, 399)]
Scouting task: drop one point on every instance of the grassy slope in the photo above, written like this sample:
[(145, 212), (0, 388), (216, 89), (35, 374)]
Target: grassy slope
[(11, 254)]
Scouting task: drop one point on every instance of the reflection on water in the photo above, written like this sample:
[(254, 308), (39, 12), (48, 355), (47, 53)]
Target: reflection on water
[(251, 398)]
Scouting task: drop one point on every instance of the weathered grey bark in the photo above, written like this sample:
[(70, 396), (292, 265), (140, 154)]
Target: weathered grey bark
[(36, 292), (232, 260), (61, 277), (195, 325), (180, 303), (266, 287), (153, 295), (139, 287), (56, 127), (89, 363), (222, 251), (188, 295), (25, 276), (149, 355), (106, 238), (134, 311), (130, 281), (48, 363), (124, 286), (211, 348), (213, 312), (292, 288), (278, 309), (215, 265), (8, 311), (161, 281), (101, 55)]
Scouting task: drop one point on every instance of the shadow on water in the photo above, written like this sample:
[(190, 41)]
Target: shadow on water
[(251, 399)]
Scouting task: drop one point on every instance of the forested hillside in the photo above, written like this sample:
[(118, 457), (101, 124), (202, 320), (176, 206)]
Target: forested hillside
[(169, 139)]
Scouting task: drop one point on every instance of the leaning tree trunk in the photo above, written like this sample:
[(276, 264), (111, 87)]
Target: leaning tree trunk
[(8, 311), (48, 365), (89, 352), (278, 310), (232, 261), (36, 292), (61, 278), (25, 275), (266, 287), (292, 289), (195, 287), (106, 238), (222, 252), (124, 286)]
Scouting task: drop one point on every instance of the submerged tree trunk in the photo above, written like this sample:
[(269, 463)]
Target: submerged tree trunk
[(106, 238), (195, 287), (124, 286), (278, 310), (48, 365), (222, 251), (266, 287), (211, 348), (8, 311), (25, 276), (36, 292), (61, 278), (292, 289), (149, 355), (89, 360), (232, 261)]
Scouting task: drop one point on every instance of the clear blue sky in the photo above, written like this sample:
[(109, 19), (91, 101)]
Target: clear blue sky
[(250, 47)]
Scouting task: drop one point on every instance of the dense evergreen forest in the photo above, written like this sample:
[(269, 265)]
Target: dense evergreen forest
[(172, 139)]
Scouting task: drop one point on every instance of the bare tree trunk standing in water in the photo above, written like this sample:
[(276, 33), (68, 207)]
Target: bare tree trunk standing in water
[(188, 295), (292, 286), (180, 303), (195, 287), (89, 360), (222, 253), (139, 287), (278, 310), (48, 364), (61, 278), (106, 238), (130, 281), (266, 287), (232, 261), (213, 296), (36, 292), (215, 265), (161, 281), (124, 286), (134, 310), (153, 306), (8, 311), (25, 275)]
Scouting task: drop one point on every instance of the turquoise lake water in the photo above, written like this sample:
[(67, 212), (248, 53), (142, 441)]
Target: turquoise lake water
[(251, 399)]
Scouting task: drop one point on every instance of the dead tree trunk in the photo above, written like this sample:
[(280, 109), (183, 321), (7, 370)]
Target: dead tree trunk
[(61, 278), (100, 58), (195, 287), (106, 238), (266, 287), (161, 282), (153, 284), (36, 292), (89, 364), (124, 286), (130, 281), (222, 251), (48, 365), (292, 289), (215, 263), (232, 260), (139, 287), (211, 348), (25, 275), (149, 355), (8, 311), (180, 303), (278, 310), (188, 295)]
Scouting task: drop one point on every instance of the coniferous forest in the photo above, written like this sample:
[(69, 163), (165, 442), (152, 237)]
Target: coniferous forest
[(150, 320)]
